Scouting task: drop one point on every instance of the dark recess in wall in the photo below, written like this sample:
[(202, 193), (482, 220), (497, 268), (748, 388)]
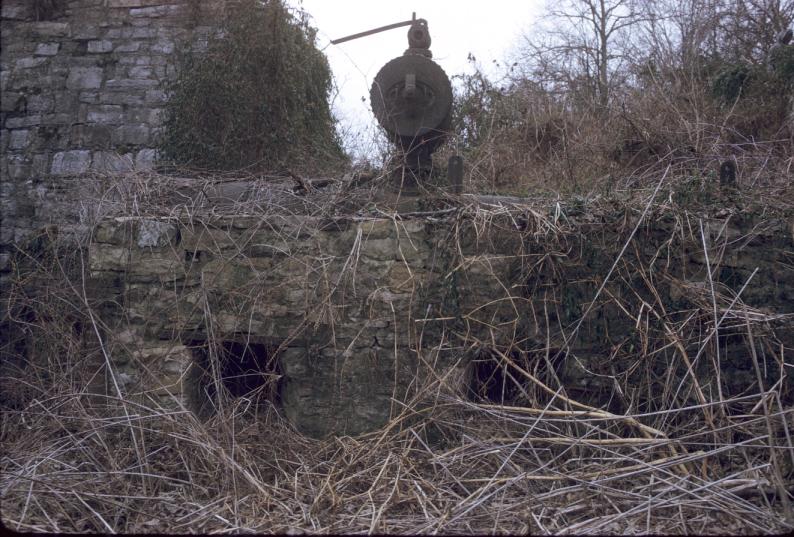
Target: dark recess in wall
[(44, 10), (244, 369), (495, 380)]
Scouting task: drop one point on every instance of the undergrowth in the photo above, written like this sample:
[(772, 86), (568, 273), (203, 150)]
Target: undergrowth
[(256, 98), (666, 452)]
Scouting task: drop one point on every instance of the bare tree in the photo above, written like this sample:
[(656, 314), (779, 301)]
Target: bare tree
[(751, 26), (683, 34), (583, 45)]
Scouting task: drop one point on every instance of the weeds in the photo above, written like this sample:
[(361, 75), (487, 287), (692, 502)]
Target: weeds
[(665, 446)]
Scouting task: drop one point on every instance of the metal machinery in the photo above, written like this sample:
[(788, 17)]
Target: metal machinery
[(411, 96)]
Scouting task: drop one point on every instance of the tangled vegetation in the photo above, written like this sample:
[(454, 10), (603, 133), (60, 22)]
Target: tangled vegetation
[(674, 448), (683, 426), (256, 98), (607, 90)]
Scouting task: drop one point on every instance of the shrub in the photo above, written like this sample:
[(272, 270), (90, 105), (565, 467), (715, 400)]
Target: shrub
[(257, 97), (731, 81)]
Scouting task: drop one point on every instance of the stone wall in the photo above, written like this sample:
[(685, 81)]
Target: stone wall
[(82, 91), (360, 313)]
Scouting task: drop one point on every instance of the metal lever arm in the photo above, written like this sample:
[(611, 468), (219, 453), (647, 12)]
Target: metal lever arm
[(377, 30)]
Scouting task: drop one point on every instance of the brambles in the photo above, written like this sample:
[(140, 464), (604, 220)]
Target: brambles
[(257, 98), (678, 382), (683, 85)]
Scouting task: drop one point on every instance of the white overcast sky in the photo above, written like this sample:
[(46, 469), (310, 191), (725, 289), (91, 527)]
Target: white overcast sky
[(487, 29)]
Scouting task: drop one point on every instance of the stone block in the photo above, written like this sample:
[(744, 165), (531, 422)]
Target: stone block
[(377, 229), (51, 29), (131, 84), (30, 62), (85, 30), (162, 47), (121, 98), (401, 276), (84, 78), (380, 249), (156, 233), (126, 3), (148, 116), (40, 103), (19, 139), (47, 49), (71, 162), (131, 46), (10, 102), (145, 159), (140, 72), (18, 167), (116, 231), (104, 257), (63, 118), (154, 266), (156, 11), (35, 79), (14, 11), (140, 33), (108, 161), (168, 367), (7, 228), (41, 163), (135, 59), (88, 97), (294, 361), (105, 114), (131, 135), (97, 136), (100, 46)]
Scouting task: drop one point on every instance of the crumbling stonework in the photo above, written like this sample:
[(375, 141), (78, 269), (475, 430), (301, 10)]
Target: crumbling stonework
[(82, 91), (360, 312), (355, 313)]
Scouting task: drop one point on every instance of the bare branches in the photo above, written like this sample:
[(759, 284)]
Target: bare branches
[(635, 453)]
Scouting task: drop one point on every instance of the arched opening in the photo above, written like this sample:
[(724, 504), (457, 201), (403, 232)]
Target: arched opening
[(495, 377), (230, 370), (502, 378)]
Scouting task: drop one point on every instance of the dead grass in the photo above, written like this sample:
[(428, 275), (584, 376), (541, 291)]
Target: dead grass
[(709, 463)]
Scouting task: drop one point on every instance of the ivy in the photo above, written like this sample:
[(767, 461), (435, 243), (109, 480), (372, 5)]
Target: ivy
[(256, 98)]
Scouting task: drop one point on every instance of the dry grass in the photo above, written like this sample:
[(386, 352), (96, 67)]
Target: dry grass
[(75, 461)]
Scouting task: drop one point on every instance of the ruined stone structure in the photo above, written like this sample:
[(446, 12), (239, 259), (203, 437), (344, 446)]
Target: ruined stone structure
[(82, 91), (355, 315)]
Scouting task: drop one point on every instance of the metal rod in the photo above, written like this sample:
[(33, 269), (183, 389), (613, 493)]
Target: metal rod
[(376, 30), (455, 173)]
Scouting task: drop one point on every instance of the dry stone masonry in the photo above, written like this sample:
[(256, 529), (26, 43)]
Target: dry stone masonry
[(346, 318), (355, 314), (82, 91)]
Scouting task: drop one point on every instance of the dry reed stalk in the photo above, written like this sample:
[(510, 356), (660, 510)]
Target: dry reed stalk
[(77, 461)]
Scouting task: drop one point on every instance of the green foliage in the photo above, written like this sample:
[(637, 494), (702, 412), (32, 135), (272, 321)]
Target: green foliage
[(782, 62), (256, 98), (737, 81), (731, 81)]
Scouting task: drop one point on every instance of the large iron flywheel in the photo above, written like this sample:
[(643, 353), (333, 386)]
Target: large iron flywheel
[(411, 98)]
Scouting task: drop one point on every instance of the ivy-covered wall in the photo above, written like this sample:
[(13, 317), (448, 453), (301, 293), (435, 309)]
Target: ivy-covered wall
[(82, 91)]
